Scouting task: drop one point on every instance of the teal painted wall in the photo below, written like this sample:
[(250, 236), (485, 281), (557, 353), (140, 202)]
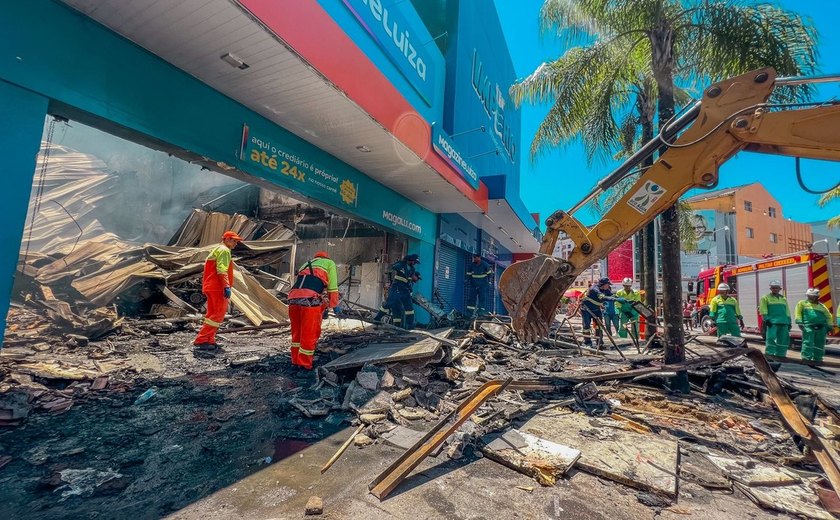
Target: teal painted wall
[(22, 116)]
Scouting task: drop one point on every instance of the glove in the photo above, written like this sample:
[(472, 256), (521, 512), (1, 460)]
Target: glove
[(227, 293), (741, 322), (325, 314)]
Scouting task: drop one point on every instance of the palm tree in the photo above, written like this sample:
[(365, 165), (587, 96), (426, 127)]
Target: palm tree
[(684, 43), (607, 100), (830, 195)]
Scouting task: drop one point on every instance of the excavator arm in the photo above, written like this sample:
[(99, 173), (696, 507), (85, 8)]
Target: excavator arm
[(733, 115)]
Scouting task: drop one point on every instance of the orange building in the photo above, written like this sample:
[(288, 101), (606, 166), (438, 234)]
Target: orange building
[(759, 229)]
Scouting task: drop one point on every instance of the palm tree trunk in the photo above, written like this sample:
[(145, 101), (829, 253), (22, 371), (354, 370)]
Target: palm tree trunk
[(662, 47), (647, 242)]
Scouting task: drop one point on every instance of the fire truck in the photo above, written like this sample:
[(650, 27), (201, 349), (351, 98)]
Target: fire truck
[(749, 282)]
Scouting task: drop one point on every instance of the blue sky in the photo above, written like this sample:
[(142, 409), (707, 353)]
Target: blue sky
[(557, 180)]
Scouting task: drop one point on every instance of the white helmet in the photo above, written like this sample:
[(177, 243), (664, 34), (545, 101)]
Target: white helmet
[(723, 287), (812, 292), (776, 283), (627, 281)]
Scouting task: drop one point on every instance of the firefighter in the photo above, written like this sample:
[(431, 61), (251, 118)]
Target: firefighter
[(726, 312), (593, 310), (314, 291), (626, 313), (479, 273), (775, 315), (814, 319), (398, 303), (216, 284)]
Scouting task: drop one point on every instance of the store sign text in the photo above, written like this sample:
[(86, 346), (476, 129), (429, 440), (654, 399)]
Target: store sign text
[(332, 183), (392, 32), (492, 98), (446, 149)]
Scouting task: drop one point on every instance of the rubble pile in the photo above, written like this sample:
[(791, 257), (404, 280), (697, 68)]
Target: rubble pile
[(630, 428)]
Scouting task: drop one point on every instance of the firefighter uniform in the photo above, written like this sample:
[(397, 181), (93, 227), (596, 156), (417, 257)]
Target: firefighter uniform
[(216, 284), (727, 314), (478, 277), (593, 307), (814, 319), (626, 312), (776, 317), (307, 304), (398, 303)]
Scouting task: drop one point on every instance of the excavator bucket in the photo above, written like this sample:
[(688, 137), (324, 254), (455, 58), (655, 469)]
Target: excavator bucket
[(531, 291)]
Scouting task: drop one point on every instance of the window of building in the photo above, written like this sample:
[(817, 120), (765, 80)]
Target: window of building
[(748, 206), (774, 238), (771, 211), (750, 233)]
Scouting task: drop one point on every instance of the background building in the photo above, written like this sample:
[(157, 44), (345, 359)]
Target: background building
[(757, 227)]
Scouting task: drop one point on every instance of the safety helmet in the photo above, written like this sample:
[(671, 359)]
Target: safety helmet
[(231, 235), (604, 281), (414, 257), (776, 283), (322, 254), (812, 292), (627, 281), (723, 287)]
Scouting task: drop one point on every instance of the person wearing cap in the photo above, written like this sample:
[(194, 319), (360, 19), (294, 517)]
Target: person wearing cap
[(626, 313), (216, 284), (775, 316), (479, 274), (315, 289), (398, 303), (726, 312), (593, 310), (814, 319)]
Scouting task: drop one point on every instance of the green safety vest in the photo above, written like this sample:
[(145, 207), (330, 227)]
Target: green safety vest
[(774, 309), (725, 310), (812, 313), (631, 296)]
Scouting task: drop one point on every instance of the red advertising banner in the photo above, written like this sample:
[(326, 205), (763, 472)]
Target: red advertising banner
[(620, 262)]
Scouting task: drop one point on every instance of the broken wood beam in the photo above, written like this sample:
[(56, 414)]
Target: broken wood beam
[(795, 421), (382, 485)]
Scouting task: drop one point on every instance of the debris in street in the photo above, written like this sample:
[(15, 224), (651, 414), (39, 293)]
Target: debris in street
[(342, 449), (314, 506), (645, 462), (541, 459)]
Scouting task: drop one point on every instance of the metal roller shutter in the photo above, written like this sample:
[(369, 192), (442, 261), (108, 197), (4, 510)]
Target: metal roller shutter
[(748, 298), (449, 277), (795, 283)]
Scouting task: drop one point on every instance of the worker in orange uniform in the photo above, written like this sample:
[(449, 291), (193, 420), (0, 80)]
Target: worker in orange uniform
[(216, 285), (315, 279)]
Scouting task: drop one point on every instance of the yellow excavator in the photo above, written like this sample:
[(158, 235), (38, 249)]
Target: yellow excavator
[(733, 115)]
